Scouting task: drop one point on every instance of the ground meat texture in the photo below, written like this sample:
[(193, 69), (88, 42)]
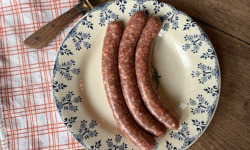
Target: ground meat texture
[(123, 118), (129, 86), (142, 65)]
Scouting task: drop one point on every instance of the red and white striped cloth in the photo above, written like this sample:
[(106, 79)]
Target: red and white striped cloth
[(28, 115)]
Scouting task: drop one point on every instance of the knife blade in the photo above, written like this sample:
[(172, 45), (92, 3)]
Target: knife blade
[(45, 34)]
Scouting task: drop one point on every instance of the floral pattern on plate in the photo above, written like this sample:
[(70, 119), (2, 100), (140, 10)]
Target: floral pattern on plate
[(83, 105)]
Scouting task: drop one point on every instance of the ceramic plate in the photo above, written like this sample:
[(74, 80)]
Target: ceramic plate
[(186, 73)]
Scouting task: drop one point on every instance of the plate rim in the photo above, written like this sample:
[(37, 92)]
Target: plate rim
[(113, 1)]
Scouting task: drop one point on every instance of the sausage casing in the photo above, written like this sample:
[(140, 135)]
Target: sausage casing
[(142, 65), (110, 73), (126, 63)]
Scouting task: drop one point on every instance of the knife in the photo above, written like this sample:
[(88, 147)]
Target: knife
[(44, 35)]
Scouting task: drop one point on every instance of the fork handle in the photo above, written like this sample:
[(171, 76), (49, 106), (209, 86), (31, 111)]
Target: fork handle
[(44, 35)]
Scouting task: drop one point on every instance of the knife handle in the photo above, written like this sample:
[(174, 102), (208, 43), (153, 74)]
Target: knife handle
[(44, 35)]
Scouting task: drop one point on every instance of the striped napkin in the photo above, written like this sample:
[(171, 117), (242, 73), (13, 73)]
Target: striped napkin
[(28, 115)]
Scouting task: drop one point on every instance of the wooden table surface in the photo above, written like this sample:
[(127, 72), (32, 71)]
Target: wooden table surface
[(227, 24)]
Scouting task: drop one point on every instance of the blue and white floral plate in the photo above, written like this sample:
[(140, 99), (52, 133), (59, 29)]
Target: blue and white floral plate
[(188, 75)]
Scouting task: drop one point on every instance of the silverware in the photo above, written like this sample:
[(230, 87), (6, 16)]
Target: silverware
[(44, 35)]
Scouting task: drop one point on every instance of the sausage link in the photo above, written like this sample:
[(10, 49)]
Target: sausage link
[(126, 63), (110, 74), (142, 65)]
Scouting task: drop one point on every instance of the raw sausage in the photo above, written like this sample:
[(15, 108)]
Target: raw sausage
[(111, 82), (126, 63), (142, 66), (123, 118)]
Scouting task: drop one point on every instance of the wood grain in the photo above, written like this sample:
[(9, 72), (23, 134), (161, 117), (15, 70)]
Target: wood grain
[(230, 16), (230, 127), (45, 34)]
